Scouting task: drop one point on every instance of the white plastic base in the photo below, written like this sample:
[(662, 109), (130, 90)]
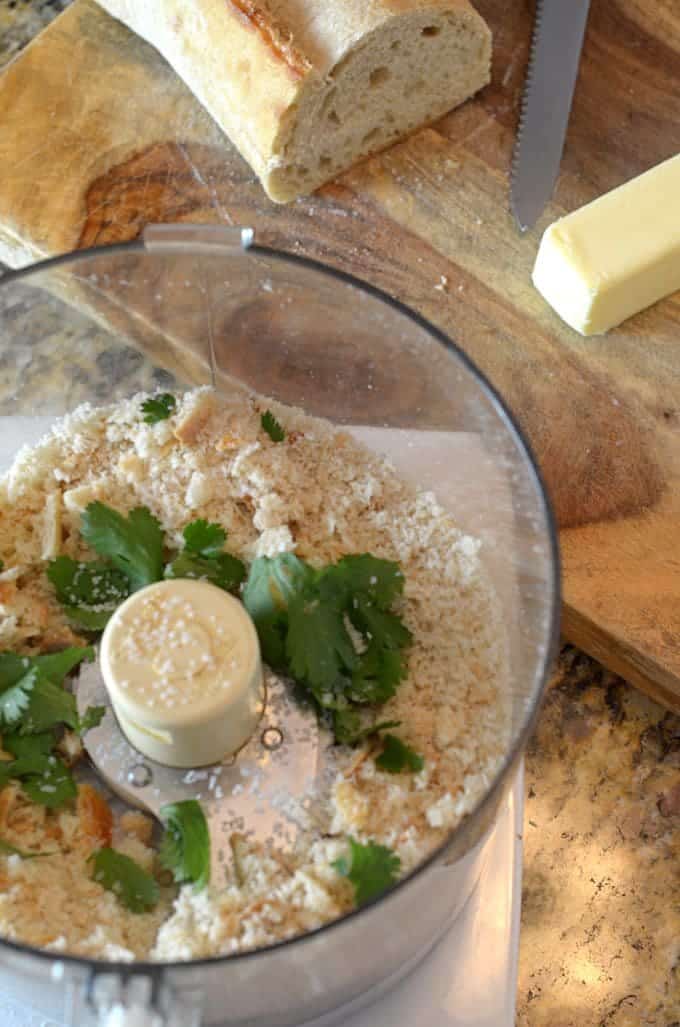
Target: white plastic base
[(469, 979)]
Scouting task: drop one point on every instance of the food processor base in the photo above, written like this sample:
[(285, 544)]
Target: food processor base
[(469, 977)]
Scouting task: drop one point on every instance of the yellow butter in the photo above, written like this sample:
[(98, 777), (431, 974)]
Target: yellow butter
[(181, 662), (615, 256)]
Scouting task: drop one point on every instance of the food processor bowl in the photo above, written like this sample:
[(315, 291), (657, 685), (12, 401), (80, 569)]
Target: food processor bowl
[(202, 305)]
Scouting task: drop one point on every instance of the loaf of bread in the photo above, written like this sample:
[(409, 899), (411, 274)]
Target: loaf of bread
[(304, 88)]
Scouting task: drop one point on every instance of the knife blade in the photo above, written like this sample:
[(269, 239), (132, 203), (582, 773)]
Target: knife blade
[(557, 41)]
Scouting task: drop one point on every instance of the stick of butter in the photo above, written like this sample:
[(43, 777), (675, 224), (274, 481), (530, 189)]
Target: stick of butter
[(615, 256)]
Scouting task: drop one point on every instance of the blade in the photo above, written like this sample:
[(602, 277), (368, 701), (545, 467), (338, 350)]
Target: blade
[(553, 67)]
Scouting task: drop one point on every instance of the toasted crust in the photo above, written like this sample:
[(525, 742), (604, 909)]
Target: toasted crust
[(304, 88)]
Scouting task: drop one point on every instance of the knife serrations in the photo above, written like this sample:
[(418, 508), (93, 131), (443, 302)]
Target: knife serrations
[(554, 56)]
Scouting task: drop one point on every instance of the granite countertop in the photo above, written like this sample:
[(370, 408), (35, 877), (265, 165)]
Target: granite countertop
[(600, 944)]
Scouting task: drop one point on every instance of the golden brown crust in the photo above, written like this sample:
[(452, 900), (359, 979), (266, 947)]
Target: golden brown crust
[(277, 42)]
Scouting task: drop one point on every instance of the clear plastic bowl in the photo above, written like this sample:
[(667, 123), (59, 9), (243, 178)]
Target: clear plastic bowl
[(189, 305)]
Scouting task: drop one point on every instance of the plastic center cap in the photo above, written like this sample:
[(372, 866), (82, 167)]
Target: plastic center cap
[(181, 662)]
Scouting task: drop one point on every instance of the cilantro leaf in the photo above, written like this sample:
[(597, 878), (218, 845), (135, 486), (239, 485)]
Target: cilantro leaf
[(29, 749), (380, 626), (272, 583), (398, 757), (89, 592), (48, 705), (89, 620), (93, 583), (159, 408), (381, 580), (137, 890), (204, 538), (15, 700), (134, 544), (12, 668), (371, 868), (185, 849), (2, 566), (91, 718), (53, 787), (348, 727), (318, 645), (272, 427), (379, 672), (225, 571), (55, 666)]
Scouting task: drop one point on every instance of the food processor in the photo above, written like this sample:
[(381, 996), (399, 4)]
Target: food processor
[(206, 305)]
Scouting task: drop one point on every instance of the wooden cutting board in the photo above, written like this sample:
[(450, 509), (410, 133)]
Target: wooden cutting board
[(99, 137)]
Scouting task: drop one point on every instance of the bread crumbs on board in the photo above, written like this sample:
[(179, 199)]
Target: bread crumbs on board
[(322, 495)]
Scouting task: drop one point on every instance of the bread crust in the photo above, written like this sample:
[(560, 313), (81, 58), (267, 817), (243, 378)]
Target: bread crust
[(261, 66)]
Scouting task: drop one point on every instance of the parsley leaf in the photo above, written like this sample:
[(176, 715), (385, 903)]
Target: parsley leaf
[(398, 757), (185, 849), (371, 869), (89, 592), (15, 700), (272, 427), (53, 786), (35, 701), (133, 544), (380, 626), (202, 557), (136, 889), (204, 538), (28, 748), (159, 408)]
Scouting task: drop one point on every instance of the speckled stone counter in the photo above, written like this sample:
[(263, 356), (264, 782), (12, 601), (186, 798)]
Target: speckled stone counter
[(600, 943)]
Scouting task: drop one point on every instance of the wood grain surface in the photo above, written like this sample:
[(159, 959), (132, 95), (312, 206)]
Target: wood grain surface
[(99, 138)]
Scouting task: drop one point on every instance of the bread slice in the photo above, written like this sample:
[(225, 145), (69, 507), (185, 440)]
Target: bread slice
[(304, 88)]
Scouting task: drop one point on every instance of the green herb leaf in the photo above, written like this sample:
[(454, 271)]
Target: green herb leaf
[(271, 584), (225, 571), (159, 408), (48, 705), (14, 701), (185, 849), (204, 538), (32, 750), (134, 544), (380, 626), (89, 620), (92, 718), (53, 787), (56, 666), (382, 581), (379, 672), (349, 729), (318, 645), (95, 583), (2, 566), (398, 757), (12, 668), (272, 427), (134, 887), (371, 868)]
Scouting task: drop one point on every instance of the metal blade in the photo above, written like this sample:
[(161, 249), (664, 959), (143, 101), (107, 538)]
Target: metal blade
[(556, 46)]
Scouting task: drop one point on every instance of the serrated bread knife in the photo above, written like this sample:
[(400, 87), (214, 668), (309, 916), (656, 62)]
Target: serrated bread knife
[(554, 58)]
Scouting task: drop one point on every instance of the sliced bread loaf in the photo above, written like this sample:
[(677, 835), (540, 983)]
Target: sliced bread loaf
[(304, 88)]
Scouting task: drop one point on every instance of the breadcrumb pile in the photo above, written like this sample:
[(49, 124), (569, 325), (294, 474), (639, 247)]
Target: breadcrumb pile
[(322, 495)]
